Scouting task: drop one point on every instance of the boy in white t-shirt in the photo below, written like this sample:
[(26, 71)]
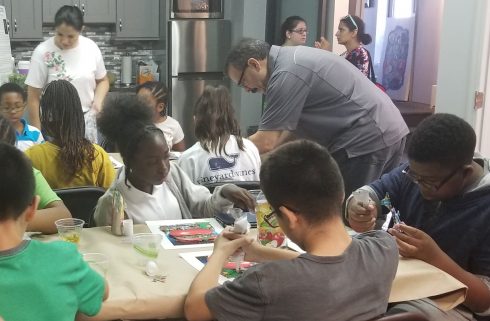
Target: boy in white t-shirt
[(12, 105), (155, 93)]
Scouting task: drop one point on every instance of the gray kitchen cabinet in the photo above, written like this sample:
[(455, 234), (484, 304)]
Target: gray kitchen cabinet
[(94, 11), (138, 19), (24, 19)]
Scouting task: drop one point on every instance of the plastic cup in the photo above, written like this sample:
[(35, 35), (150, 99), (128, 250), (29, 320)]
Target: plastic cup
[(146, 246), (69, 229), (98, 262)]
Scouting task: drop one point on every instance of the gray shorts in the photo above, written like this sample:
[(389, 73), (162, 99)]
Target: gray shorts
[(431, 311)]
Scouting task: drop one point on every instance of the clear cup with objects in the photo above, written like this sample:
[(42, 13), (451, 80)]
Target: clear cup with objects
[(146, 247), (70, 229)]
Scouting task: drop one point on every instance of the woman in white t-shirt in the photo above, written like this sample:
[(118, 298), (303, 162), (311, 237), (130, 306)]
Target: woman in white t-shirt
[(152, 187), (220, 154), (69, 56), (155, 93)]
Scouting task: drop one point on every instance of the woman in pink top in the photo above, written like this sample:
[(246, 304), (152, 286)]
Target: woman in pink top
[(351, 34)]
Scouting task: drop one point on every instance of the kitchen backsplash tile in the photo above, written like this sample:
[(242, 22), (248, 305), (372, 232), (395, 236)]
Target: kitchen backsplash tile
[(112, 49)]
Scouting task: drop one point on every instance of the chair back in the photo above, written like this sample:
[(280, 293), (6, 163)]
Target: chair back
[(404, 316), (81, 201), (248, 185)]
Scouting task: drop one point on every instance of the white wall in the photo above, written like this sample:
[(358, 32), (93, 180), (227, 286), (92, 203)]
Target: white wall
[(460, 57), (427, 44)]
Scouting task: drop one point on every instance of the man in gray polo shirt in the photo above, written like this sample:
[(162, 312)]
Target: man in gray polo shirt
[(314, 94)]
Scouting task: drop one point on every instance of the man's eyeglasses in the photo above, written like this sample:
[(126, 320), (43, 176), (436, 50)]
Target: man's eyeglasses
[(14, 109), (430, 186), (351, 20), (239, 83), (271, 219), (300, 31)]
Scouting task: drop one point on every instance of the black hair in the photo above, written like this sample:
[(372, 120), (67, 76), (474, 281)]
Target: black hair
[(247, 48), (127, 121), (302, 176), (159, 91), (11, 87), (7, 131), (69, 15), (17, 182), (444, 139), (288, 25), (362, 37), (215, 120), (62, 119)]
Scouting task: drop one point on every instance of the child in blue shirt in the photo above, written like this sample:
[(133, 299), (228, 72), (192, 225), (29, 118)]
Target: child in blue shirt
[(12, 105)]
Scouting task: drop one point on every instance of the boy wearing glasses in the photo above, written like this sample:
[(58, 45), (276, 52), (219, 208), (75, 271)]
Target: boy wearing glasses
[(304, 186), (443, 197), (12, 105)]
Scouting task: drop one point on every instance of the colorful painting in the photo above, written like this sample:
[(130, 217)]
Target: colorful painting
[(186, 233), (190, 233), (199, 259), (398, 57)]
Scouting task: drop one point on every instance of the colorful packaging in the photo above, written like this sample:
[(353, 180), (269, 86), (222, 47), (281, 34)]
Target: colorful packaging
[(267, 235)]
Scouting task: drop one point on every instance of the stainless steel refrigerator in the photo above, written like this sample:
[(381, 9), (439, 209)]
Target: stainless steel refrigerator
[(196, 57)]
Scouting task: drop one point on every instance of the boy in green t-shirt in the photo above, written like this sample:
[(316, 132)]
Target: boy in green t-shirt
[(38, 281)]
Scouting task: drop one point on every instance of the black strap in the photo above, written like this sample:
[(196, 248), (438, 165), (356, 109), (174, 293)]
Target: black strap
[(372, 76)]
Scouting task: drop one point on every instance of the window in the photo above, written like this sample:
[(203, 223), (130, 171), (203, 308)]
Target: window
[(402, 8)]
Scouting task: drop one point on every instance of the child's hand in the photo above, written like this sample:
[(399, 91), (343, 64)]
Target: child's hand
[(362, 217), (239, 196), (228, 242), (251, 247), (414, 243)]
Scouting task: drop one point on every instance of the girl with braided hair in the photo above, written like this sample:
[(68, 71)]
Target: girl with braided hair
[(68, 159), (152, 187), (155, 94)]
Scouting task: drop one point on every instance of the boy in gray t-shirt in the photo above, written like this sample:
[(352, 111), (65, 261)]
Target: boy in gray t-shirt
[(338, 278)]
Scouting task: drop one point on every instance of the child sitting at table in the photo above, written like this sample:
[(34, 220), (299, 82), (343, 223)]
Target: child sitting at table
[(151, 186), (155, 94), (51, 207), (39, 281), (12, 105), (304, 187), (68, 159), (220, 154), (443, 197)]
